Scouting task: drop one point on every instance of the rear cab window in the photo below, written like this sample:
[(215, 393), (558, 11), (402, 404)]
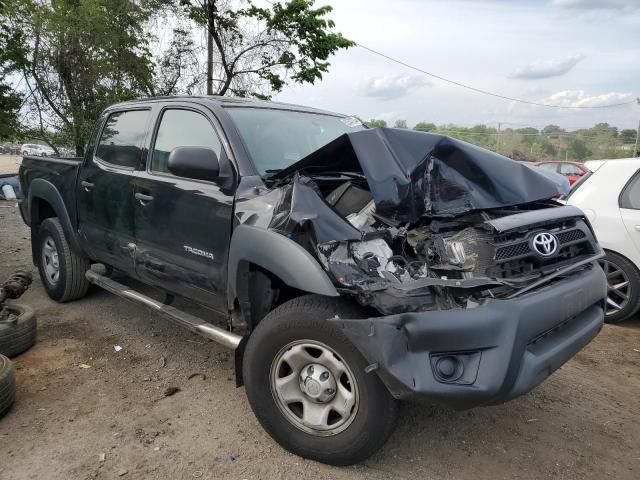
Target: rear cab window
[(122, 137)]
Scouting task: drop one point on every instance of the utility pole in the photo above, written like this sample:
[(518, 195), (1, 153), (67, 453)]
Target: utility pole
[(209, 7), (209, 62), (636, 150), (498, 140)]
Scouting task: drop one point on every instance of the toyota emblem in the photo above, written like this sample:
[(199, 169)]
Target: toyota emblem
[(545, 244)]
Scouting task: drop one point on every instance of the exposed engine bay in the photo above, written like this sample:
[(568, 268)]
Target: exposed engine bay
[(409, 231)]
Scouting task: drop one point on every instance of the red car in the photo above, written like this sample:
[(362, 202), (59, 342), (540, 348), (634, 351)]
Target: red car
[(572, 170)]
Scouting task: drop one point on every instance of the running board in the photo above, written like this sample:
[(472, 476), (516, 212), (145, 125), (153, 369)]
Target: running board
[(193, 323)]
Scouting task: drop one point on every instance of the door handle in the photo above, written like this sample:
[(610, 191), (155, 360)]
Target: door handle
[(637, 227), (144, 199), (87, 185)]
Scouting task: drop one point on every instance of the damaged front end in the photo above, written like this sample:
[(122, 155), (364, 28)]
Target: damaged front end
[(410, 222)]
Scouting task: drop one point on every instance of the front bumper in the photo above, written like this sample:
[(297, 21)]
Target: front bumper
[(485, 355)]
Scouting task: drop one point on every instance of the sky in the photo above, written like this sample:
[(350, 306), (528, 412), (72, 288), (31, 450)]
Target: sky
[(561, 52)]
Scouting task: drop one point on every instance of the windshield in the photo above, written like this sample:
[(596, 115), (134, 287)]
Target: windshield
[(276, 139)]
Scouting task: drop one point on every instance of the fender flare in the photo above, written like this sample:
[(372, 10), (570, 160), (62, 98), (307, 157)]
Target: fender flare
[(277, 254), (41, 189)]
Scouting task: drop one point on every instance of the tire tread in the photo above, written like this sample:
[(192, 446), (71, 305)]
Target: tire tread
[(7, 384), (74, 265), (18, 337)]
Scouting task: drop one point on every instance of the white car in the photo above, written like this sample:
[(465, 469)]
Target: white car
[(37, 150), (610, 197)]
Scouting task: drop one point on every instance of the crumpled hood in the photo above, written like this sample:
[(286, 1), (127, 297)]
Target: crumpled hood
[(412, 174)]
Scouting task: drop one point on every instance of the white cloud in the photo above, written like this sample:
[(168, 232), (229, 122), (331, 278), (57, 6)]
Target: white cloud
[(388, 116), (627, 5), (388, 87), (578, 98), (473, 44), (547, 68)]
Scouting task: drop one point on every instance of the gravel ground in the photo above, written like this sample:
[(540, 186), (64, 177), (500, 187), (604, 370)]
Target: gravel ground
[(112, 421)]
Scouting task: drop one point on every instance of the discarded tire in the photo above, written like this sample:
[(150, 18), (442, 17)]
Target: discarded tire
[(7, 384), (17, 331)]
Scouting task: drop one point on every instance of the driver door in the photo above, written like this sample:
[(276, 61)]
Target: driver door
[(183, 226)]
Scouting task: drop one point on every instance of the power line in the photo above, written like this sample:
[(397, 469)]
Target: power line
[(486, 92)]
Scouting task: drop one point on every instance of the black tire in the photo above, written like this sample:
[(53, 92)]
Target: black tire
[(18, 333), (628, 273), (304, 318), (71, 282), (7, 385)]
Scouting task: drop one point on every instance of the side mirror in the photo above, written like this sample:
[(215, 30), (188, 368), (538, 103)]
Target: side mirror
[(199, 163)]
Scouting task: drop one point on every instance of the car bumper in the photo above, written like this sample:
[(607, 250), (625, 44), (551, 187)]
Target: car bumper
[(485, 355)]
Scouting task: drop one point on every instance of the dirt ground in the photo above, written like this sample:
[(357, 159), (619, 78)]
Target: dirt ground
[(71, 422)]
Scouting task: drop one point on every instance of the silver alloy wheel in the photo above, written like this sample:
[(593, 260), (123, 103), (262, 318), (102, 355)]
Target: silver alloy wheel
[(50, 260), (618, 287), (314, 388)]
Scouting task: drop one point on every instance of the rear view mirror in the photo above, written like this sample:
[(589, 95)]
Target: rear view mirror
[(199, 163)]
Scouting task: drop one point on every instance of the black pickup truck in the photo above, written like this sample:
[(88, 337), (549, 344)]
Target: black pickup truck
[(354, 267)]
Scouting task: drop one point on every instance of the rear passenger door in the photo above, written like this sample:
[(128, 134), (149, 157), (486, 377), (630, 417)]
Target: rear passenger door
[(183, 226), (105, 188), (629, 202)]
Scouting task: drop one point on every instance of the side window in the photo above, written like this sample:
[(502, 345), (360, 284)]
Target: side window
[(569, 169), (630, 196), (182, 128), (553, 167), (121, 140)]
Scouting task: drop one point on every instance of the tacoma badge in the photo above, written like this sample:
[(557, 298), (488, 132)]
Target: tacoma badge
[(197, 251)]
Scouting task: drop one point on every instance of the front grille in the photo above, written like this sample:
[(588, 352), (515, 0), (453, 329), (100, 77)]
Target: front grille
[(570, 236), (511, 251), (515, 258)]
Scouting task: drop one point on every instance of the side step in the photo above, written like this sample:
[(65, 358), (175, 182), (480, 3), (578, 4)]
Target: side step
[(193, 323)]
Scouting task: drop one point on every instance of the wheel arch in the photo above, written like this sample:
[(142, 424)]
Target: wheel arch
[(45, 201), (620, 254), (258, 259), (278, 256)]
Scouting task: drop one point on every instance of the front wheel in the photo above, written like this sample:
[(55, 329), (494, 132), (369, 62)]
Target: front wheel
[(307, 385), (623, 288)]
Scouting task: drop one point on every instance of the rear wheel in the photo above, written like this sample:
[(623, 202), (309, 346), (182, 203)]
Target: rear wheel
[(623, 288), (62, 271), (307, 385)]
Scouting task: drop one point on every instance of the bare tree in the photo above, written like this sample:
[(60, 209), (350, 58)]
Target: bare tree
[(255, 51)]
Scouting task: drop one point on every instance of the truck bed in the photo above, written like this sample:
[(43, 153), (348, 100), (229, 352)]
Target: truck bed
[(61, 172)]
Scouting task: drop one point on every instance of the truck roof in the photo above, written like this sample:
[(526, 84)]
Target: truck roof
[(228, 102)]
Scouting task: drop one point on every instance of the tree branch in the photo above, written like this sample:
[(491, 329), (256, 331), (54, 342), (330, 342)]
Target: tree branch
[(41, 89)]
